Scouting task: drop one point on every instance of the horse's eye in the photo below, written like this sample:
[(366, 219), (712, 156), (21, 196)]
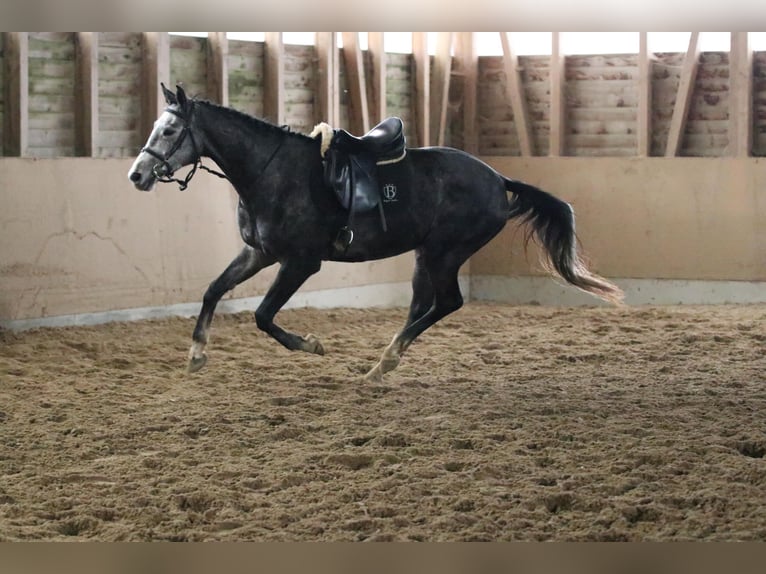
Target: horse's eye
[(168, 132)]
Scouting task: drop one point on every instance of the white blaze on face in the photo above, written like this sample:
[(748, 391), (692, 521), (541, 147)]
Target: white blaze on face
[(160, 141), (141, 174)]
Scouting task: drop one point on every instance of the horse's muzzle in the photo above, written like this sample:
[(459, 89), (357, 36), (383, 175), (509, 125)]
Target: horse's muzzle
[(140, 182)]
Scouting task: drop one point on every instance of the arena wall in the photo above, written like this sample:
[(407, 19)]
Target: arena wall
[(673, 230), (668, 230), (78, 243), (77, 238)]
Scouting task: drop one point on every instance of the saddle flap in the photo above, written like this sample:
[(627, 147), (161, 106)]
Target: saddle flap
[(354, 174)]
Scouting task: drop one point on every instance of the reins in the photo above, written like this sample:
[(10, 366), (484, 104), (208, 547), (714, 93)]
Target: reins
[(273, 155)]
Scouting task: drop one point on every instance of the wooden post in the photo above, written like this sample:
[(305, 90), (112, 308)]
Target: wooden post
[(218, 67), (557, 146), (328, 108), (441, 80), (274, 72), (422, 87), (469, 63), (740, 96), (156, 69), (16, 113), (86, 82), (357, 83), (683, 97), (379, 68), (515, 91), (644, 119)]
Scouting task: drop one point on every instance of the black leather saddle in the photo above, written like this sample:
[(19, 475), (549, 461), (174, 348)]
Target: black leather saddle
[(350, 169), (385, 141)]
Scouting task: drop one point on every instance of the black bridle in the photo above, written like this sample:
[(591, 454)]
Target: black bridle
[(166, 176), (162, 171)]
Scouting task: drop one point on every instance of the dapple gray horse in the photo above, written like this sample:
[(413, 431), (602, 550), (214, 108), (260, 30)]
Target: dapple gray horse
[(448, 205)]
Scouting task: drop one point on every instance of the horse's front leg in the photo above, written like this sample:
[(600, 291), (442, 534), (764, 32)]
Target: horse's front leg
[(292, 274), (245, 265)]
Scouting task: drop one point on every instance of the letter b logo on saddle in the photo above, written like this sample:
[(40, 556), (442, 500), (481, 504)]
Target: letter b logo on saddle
[(389, 193)]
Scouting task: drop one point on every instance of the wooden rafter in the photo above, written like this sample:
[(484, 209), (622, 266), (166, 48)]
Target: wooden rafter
[(468, 61), (422, 87), (683, 97), (558, 98), (274, 72), (515, 91), (442, 73), (644, 119), (328, 108), (16, 116), (357, 83), (379, 71), (218, 67), (156, 69), (86, 112), (740, 96)]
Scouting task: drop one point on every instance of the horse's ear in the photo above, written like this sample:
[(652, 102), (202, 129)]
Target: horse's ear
[(183, 101), (170, 97)]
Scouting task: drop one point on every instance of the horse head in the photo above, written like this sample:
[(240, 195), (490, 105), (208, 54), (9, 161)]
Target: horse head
[(170, 146)]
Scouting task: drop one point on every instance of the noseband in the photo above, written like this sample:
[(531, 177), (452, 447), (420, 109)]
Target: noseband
[(166, 175)]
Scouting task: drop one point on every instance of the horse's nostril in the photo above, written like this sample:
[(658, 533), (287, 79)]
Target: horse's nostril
[(135, 177)]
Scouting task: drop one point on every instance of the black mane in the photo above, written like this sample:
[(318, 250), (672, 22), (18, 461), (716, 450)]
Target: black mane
[(247, 118)]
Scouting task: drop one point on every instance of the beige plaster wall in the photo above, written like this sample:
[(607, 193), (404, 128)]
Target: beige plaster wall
[(658, 218), (76, 237)]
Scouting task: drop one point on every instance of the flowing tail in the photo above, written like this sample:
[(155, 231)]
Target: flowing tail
[(552, 221)]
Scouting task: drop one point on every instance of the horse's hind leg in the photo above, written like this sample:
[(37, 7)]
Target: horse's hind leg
[(422, 300), (442, 284), (291, 276), (245, 265), (422, 289)]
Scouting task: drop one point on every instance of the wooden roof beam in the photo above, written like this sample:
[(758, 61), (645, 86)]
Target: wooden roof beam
[(274, 73), (740, 96), (515, 91), (683, 97), (468, 62), (644, 119), (86, 84), (328, 66), (558, 97), (16, 113), (379, 70), (442, 73), (156, 69), (218, 67), (422, 87), (357, 83)]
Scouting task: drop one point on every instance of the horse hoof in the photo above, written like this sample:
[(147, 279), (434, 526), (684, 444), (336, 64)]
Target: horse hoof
[(196, 363), (375, 375), (389, 364), (313, 345)]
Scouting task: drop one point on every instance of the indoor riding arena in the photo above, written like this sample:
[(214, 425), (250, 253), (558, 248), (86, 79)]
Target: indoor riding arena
[(535, 412)]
